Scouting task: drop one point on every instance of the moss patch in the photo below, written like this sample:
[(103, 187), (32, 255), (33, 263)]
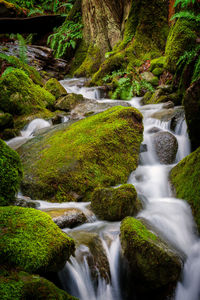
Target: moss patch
[(182, 37), (114, 204), (185, 178), (10, 174), (55, 88), (19, 95), (31, 241), (152, 263), (21, 285), (100, 150)]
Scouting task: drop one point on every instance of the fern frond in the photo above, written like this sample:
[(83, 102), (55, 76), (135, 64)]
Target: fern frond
[(188, 15), (184, 3)]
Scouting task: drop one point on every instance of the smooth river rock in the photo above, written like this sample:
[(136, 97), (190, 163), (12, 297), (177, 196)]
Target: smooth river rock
[(166, 147)]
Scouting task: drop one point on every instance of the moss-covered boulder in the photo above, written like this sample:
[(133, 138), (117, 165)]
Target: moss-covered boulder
[(68, 102), (185, 178), (55, 88), (182, 37), (10, 174), (153, 265), (19, 95), (30, 241), (100, 150), (191, 104), (157, 63), (114, 204), (21, 285)]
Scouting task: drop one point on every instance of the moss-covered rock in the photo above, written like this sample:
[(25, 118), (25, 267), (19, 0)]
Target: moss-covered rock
[(96, 256), (21, 285), (8, 10), (157, 63), (100, 150), (32, 73), (185, 179), (19, 95), (182, 37), (31, 241), (158, 71), (191, 102), (162, 94), (10, 174), (114, 204), (153, 265), (6, 121), (55, 88), (68, 102)]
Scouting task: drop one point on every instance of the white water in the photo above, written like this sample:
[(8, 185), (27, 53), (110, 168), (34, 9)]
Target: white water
[(27, 132), (170, 216)]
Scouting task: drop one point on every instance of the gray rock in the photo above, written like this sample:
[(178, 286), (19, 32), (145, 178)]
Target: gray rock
[(67, 217), (26, 202), (154, 130), (166, 147), (168, 105), (143, 148)]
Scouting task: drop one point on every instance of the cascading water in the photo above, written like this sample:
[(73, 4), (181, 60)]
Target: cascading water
[(27, 133), (171, 217)]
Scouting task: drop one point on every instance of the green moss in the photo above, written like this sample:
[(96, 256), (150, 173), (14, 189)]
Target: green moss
[(185, 179), (148, 256), (182, 37), (145, 35), (158, 71), (157, 63), (21, 285), (100, 150), (19, 95), (55, 88), (12, 9), (91, 63), (10, 174), (31, 241), (68, 102), (30, 71), (79, 57), (154, 81), (114, 204)]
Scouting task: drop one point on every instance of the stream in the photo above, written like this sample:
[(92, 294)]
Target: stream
[(171, 217)]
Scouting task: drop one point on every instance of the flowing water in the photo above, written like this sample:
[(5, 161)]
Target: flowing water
[(170, 216)]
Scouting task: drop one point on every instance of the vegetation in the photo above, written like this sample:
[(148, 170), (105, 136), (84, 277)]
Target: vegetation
[(21, 285), (93, 152), (114, 204), (66, 36), (10, 174), (19, 95), (31, 241), (184, 178), (148, 256)]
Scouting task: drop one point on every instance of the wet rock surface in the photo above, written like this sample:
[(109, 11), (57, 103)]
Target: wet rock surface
[(67, 217), (166, 147)]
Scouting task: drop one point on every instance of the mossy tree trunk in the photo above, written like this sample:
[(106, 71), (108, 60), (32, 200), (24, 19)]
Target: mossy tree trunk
[(110, 21)]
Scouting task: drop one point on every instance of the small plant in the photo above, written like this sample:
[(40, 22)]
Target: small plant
[(186, 13), (22, 48), (187, 58), (110, 77), (65, 36)]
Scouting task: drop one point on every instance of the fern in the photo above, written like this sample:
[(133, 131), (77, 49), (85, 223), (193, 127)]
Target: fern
[(187, 14), (22, 48), (184, 3), (124, 90), (196, 72), (66, 36), (7, 71)]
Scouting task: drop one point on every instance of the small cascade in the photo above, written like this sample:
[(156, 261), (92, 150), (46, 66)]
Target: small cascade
[(27, 133), (171, 217)]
